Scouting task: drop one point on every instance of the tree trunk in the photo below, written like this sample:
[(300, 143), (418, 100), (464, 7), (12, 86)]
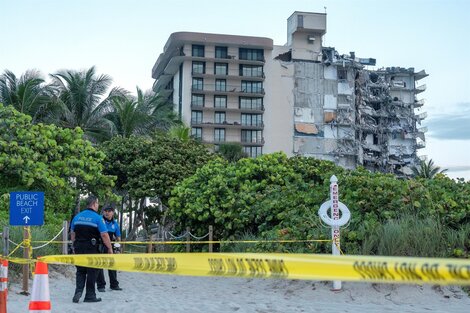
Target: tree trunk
[(77, 205), (121, 214), (129, 228)]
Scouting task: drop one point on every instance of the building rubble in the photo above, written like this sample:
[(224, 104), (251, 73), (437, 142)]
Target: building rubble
[(369, 116)]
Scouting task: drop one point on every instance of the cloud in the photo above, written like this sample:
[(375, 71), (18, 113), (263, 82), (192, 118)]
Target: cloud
[(457, 168), (454, 125)]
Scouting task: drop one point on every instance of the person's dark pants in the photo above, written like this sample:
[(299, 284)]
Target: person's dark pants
[(86, 277), (101, 282)]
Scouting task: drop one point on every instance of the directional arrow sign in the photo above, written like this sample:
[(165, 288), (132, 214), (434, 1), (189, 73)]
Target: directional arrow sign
[(27, 208)]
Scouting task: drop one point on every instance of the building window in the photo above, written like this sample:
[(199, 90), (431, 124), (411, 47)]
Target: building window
[(197, 100), (220, 101), (375, 139), (199, 67), (252, 119), (251, 54), (196, 133), (252, 87), (220, 85), (221, 69), (251, 70), (219, 134), (196, 117), (219, 117), (253, 152), (252, 136), (251, 103), (221, 52), (342, 73), (198, 83), (198, 51)]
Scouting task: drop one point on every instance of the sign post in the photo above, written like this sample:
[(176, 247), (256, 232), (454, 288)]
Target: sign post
[(335, 236), (334, 220), (26, 209)]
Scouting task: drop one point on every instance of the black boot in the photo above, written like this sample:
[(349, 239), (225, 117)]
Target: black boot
[(76, 297)]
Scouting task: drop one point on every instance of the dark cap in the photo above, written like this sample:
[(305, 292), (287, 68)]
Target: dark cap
[(108, 208)]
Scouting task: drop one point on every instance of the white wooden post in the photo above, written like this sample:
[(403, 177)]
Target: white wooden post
[(335, 235)]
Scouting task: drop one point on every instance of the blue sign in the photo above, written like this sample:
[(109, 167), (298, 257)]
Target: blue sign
[(27, 208)]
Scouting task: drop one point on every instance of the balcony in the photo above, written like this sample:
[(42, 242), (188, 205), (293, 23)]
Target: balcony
[(233, 75), (227, 125), (228, 89), (253, 142), (423, 129), (421, 116), (421, 145), (420, 75), (231, 59), (418, 103), (227, 109), (420, 89)]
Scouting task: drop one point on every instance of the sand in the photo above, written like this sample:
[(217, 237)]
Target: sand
[(165, 293)]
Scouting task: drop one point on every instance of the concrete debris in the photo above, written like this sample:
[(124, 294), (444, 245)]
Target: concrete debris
[(308, 129), (329, 117)]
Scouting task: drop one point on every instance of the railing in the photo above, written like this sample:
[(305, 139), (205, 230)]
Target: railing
[(228, 88), (254, 141), (423, 129), (419, 103), (256, 124), (420, 145), (258, 75), (420, 88), (421, 116), (225, 123)]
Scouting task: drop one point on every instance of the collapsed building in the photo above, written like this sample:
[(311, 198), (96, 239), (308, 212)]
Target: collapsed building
[(300, 98)]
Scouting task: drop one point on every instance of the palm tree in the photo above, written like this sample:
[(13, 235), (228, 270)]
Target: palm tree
[(181, 132), (427, 170), (29, 94), (142, 114), (232, 151), (83, 102)]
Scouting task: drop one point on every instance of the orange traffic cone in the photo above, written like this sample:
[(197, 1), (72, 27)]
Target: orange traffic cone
[(3, 285), (40, 298)]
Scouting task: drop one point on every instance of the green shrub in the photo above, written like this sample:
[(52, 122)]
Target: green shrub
[(276, 197)]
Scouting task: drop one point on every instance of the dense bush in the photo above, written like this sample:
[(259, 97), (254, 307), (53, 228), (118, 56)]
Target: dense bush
[(275, 197), (38, 157)]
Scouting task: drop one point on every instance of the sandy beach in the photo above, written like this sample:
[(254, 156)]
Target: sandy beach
[(164, 293)]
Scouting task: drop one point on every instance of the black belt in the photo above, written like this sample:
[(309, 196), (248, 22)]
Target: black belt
[(92, 241)]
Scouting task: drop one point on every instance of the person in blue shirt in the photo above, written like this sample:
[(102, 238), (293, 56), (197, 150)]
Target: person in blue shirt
[(87, 232), (115, 234)]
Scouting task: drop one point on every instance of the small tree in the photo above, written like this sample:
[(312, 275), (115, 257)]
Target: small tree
[(427, 170), (181, 132), (232, 151), (151, 167), (141, 115)]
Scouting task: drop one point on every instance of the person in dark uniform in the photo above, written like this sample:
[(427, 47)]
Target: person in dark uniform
[(115, 235), (87, 232)]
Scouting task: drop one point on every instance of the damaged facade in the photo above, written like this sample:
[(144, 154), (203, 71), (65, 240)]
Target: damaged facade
[(300, 98)]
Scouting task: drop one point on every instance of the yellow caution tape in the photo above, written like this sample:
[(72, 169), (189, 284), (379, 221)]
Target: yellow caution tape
[(288, 266), (19, 260), (200, 242)]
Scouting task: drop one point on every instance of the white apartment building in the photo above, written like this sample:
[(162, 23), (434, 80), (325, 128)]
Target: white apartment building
[(300, 98)]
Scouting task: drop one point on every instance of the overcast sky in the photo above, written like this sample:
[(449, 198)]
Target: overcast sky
[(123, 39)]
